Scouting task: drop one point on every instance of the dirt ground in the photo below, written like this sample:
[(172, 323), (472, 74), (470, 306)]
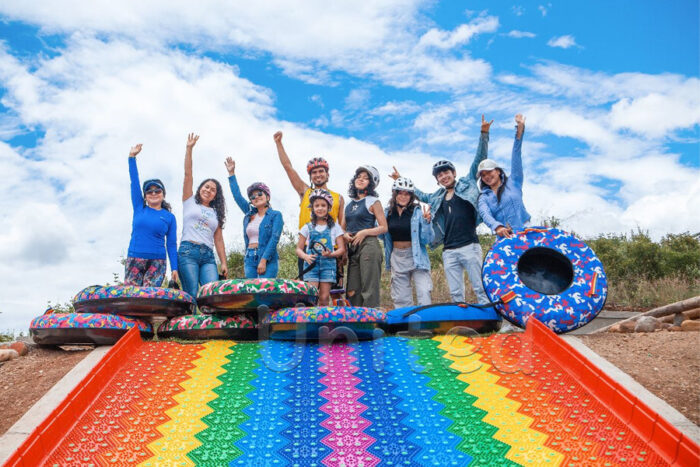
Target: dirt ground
[(666, 363), (24, 380)]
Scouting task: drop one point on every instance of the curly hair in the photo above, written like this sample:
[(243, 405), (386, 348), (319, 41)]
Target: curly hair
[(218, 204), (392, 202), (353, 192)]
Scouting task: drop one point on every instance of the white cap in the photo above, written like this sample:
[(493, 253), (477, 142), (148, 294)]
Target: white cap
[(487, 164)]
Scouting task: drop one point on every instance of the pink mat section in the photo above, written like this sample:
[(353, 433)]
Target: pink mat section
[(345, 422)]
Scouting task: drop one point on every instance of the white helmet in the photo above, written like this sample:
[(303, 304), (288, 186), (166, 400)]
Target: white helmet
[(403, 184), (373, 173)]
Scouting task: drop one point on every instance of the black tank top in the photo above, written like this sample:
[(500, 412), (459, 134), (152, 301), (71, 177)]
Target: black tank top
[(357, 214)]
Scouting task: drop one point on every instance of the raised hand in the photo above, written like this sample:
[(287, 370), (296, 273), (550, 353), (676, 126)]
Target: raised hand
[(520, 122), (192, 140), (395, 174), (230, 165), (277, 137), (426, 213), (135, 150), (485, 126)]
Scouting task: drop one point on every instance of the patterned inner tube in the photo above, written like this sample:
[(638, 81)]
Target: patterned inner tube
[(132, 300), (313, 323), (238, 327), (247, 295), (548, 274), (83, 328)]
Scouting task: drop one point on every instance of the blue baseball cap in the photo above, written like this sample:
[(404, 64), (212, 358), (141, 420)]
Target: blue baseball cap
[(153, 182)]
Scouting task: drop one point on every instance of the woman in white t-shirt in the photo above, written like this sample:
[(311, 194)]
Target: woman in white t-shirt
[(204, 215)]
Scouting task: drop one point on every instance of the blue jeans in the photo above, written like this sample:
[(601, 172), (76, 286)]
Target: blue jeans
[(250, 265), (196, 266), (456, 261)]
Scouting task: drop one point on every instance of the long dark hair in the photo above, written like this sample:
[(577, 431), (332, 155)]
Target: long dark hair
[(352, 191), (412, 203), (218, 204), (163, 205), (504, 180)]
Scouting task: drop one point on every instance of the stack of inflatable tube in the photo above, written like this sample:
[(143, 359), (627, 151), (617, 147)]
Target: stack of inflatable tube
[(249, 295), (104, 313), (236, 327), (131, 300), (54, 328), (231, 308), (546, 274), (442, 318), (325, 323)]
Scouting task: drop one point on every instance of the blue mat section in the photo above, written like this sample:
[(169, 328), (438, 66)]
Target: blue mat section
[(263, 429), (392, 445), (304, 433), (429, 428)]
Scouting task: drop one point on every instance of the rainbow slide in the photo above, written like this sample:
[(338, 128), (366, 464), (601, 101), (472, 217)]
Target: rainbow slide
[(521, 399)]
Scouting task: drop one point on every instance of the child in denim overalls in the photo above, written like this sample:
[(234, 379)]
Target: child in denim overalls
[(320, 243)]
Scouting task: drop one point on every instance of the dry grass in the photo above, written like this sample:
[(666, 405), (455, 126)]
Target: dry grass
[(643, 293)]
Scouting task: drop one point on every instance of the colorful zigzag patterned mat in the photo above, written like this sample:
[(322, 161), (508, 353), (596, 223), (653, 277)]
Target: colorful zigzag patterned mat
[(447, 400)]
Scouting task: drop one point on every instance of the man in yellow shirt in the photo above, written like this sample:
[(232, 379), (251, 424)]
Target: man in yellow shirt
[(317, 168)]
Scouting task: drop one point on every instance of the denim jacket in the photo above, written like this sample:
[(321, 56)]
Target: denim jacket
[(510, 210), (465, 188), (422, 234), (270, 226)]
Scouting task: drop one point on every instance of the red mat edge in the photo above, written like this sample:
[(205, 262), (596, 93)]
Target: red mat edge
[(40, 443), (667, 440)]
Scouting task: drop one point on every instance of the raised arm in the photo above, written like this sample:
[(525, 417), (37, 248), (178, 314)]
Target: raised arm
[(233, 185), (136, 195), (299, 185), (482, 151), (516, 161), (187, 183)]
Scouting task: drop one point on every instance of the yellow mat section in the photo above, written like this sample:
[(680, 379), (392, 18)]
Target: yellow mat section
[(513, 427), (186, 417)]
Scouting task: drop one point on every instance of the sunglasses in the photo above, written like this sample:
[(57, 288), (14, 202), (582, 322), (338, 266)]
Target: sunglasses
[(255, 195), (154, 191)]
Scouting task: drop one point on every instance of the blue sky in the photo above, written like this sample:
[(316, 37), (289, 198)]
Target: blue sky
[(610, 90)]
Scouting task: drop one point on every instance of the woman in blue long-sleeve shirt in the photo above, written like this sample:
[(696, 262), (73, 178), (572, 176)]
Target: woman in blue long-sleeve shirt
[(153, 231), (501, 200), (262, 227)]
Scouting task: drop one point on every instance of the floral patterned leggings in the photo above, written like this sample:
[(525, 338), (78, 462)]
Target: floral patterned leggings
[(144, 272)]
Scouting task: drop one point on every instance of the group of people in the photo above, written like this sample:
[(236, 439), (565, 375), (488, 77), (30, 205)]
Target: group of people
[(333, 233)]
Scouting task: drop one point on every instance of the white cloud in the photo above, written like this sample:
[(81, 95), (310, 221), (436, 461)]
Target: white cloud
[(383, 40), (462, 35), (521, 34), (357, 99), (563, 42), (396, 108), (544, 9), (517, 10)]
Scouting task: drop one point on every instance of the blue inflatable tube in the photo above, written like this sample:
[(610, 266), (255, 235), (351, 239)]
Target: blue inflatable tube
[(440, 318), (546, 274)]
